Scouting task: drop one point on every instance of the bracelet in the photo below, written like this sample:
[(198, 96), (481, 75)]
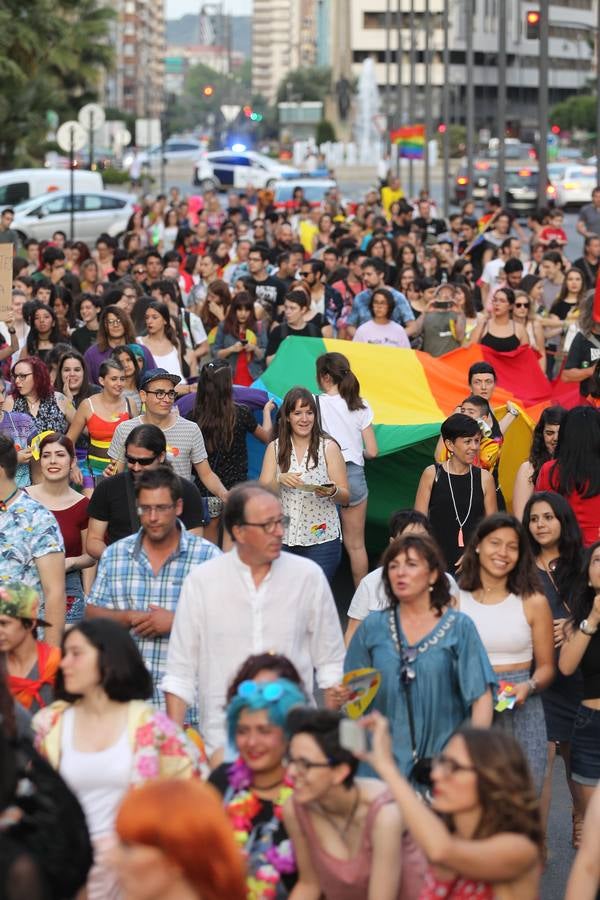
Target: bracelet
[(586, 628), (335, 493), (532, 685)]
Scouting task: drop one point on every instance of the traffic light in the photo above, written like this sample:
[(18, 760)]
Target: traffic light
[(555, 129), (532, 20), (208, 90), (247, 111)]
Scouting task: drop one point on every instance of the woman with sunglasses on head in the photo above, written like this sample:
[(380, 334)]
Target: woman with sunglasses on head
[(524, 314), (115, 328), (255, 786), (241, 341), (57, 457), (347, 831), (483, 835), (420, 643), (581, 650), (500, 590), (101, 414), (543, 447), (306, 466), (555, 540), (224, 425), (498, 329)]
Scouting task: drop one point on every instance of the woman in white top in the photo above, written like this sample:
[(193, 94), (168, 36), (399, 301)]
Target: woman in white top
[(501, 592), (309, 471), (161, 339), (348, 418)]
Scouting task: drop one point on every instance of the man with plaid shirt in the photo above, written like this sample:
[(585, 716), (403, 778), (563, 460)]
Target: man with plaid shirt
[(139, 577)]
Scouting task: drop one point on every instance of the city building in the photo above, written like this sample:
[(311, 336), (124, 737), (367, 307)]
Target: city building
[(180, 59), (284, 38), (571, 52), (136, 82)]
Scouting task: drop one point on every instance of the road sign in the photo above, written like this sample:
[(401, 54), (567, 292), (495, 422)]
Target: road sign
[(68, 131), (552, 139), (230, 112), (91, 116)]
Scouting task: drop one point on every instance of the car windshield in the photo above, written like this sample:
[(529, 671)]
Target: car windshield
[(523, 178)]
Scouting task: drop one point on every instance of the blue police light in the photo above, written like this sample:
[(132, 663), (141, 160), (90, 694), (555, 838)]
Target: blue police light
[(238, 148)]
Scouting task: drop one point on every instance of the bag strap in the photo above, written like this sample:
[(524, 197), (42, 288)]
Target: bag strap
[(395, 624), (593, 340), (131, 504)]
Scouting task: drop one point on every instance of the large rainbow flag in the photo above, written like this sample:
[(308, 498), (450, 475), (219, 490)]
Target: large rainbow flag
[(410, 140), (411, 393)]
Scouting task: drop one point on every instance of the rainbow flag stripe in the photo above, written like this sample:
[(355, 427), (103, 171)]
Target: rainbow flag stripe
[(411, 393), (411, 141)]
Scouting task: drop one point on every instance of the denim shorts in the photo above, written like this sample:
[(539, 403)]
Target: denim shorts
[(585, 746), (357, 483)]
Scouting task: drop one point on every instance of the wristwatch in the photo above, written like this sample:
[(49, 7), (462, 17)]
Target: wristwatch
[(532, 685), (585, 627)]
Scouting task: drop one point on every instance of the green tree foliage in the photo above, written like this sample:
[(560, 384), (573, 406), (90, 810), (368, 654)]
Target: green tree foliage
[(51, 55), (325, 132), (578, 111), (303, 85)]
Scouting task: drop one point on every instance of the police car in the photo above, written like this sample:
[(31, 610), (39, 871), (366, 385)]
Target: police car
[(225, 170)]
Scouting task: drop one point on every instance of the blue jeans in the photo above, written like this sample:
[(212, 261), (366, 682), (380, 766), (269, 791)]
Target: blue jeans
[(327, 555)]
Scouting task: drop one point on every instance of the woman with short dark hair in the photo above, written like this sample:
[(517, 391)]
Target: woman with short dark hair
[(103, 737)]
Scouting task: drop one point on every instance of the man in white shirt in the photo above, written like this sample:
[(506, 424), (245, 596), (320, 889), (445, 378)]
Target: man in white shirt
[(251, 600), (370, 594)]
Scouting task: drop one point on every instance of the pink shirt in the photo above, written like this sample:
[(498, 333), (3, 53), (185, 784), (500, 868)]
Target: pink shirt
[(391, 334)]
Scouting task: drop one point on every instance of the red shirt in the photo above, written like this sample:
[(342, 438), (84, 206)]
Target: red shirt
[(72, 521), (586, 510)]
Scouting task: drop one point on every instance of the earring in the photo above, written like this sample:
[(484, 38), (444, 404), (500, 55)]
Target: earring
[(476, 549), (430, 588)]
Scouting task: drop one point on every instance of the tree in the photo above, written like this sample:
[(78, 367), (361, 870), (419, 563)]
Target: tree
[(303, 85), (51, 56), (578, 111), (325, 132)]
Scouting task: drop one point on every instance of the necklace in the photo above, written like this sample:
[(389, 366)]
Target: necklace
[(268, 787), (549, 568), (4, 503), (461, 540), (341, 831)]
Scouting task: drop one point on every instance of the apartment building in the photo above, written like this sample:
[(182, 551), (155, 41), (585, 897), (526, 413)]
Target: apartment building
[(284, 37), (136, 84)]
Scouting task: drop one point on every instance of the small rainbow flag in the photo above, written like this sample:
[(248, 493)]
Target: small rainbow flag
[(411, 141)]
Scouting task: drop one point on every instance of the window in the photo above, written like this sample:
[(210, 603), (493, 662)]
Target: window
[(11, 194), (112, 203), (59, 205), (92, 202)]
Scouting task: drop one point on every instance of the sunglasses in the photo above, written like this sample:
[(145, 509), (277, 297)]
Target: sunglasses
[(136, 461), (408, 656), (521, 305), (272, 691)]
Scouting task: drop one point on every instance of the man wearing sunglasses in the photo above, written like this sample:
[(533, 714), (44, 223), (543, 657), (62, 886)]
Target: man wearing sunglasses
[(140, 577), (113, 510), (185, 444), (251, 600)]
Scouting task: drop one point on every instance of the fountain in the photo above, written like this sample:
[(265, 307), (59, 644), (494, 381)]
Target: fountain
[(368, 108)]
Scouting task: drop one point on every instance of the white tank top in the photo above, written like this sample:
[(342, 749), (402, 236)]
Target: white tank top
[(99, 780), (503, 628)]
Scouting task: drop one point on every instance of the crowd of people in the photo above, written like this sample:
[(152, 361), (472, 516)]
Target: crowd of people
[(166, 622)]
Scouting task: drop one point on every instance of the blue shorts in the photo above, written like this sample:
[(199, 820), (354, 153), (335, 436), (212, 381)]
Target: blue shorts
[(357, 483), (585, 746)]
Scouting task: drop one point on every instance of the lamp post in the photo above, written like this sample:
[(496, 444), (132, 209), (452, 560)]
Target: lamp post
[(501, 126), (427, 60), (470, 60), (411, 95), (446, 108)]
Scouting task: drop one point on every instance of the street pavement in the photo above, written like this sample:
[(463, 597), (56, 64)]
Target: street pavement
[(560, 852)]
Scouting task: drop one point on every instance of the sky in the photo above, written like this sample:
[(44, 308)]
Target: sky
[(177, 8)]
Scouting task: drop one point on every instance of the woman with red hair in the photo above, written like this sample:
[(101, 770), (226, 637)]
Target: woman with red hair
[(177, 844)]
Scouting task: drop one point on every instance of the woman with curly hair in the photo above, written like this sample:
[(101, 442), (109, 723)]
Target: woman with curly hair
[(33, 393), (543, 447), (483, 836), (500, 591)]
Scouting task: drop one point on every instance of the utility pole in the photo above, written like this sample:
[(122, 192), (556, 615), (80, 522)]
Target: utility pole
[(388, 61), (427, 60), (543, 103), (446, 108), (501, 121), (399, 86), (470, 60), (598, 94), (411, 94)]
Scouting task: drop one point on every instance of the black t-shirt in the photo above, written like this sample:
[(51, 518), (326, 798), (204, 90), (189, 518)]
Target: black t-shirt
[(83, 338), (109, 504), (430, 227), (280, 332), (231, 464), (269, 293), (562, 309), (582, 355)]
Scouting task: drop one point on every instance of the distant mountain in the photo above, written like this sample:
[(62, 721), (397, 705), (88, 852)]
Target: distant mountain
[(183, 32)]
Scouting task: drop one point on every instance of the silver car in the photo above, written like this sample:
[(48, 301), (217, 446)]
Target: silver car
[(96, 212)]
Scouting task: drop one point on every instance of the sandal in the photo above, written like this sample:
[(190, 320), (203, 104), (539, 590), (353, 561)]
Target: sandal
[(577, 829)]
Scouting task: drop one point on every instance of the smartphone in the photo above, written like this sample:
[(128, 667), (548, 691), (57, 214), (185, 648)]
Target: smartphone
[(243, 341), (442, 304), (352, 737)]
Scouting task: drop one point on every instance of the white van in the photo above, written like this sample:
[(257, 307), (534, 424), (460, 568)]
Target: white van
[(22, 184)]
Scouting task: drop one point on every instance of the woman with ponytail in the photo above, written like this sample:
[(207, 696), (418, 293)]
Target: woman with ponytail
[(349, 419)]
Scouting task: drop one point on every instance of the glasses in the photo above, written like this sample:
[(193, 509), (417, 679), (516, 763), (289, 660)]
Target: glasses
[(160, 394), (112, 322), (271, 691), (137, 461), (521, 305), (306, 274), (130, 296), (408, 655), (20, 376), (148, 508), (139, 271), (449, 765), (271, 526), (305, 765)]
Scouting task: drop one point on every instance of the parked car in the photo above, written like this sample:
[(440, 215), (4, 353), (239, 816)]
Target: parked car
[(19, 185), (95, 212), (315, 191), (183, 149), (225, 169), (575, 184), (484, 173)]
